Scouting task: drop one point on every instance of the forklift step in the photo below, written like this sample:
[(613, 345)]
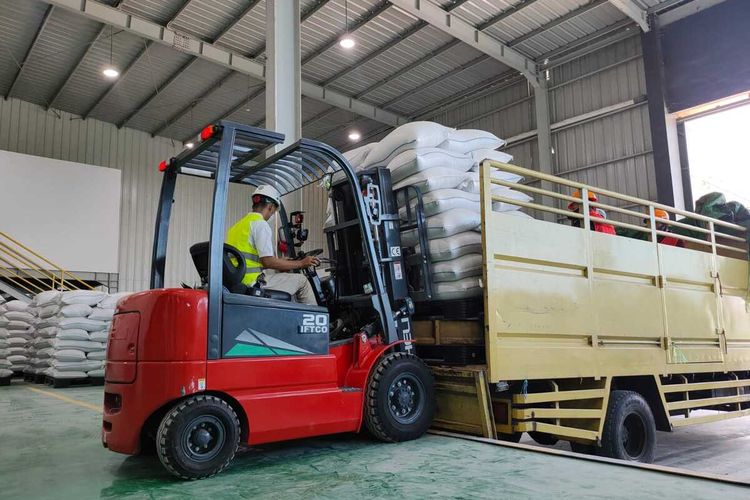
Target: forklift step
[(452, 354)]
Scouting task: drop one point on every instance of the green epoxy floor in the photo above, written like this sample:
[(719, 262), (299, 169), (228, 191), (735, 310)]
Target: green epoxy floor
[(50, 448)]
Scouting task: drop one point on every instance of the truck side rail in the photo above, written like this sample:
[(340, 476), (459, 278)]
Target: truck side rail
[(717, 234)]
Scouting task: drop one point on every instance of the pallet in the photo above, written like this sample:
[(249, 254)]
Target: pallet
[(451, 354), (5, 380), (64, 383)]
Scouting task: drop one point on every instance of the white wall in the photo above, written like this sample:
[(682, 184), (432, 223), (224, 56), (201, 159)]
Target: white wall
[(68, 212)]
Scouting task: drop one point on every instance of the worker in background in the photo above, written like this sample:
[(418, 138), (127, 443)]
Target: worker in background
[(660, 213), (252, 235), (594, 213)]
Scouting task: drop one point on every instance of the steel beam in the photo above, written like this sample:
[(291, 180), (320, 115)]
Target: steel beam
[(217, 55), (633, 11), (686, 10), (73, 71), (43, 25), (108, 92), (432, 13)]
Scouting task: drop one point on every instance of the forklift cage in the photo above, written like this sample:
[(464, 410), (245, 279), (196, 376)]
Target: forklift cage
[(232, 152)]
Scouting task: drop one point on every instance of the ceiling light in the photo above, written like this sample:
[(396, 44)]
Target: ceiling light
[(354, 136), (110, 72), (189, 145), (347, 42)]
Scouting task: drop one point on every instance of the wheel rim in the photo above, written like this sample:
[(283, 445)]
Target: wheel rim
[(406, 398), (203, 438), (633, 436)]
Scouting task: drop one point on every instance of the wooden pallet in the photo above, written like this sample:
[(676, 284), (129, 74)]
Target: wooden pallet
[(62, 383), (5, 380)]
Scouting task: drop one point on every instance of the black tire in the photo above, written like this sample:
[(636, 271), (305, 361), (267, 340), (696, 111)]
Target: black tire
[(511, 438), (543, 438), (198, 437), (400, 398), (629, 428)]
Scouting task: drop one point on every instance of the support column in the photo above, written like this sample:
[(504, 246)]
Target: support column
[(664, 135), (283, 71), (544, 139)]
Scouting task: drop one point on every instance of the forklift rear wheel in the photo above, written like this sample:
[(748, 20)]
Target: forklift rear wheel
[(400, 400), (629, 429), (198, 437)]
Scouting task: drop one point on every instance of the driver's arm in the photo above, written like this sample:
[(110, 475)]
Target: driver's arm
[(286, 264)]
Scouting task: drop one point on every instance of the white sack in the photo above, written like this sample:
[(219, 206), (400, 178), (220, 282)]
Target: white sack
[(110, 301), (76, 311), (440, 200), (17, 342), (455, 246), (69, 355), (461, 289), (5, 373), (100, 336), (5, 364), (3, 321), (69, 366), (57, 374), (47, 352), (47, 333), (81, 345), (46, 298), (97, 355), (73, 334), (18, 326), (47, 323), (96, 373), (17, 359), (89, 325), (472, 184), (16, 305), (88, 297), (357, 156), (48, 311), (12, 351), (23, 316), (468, 140), (411, 135), (417, 160), (445, 224), (100, 314), (490, 154), (434, 179)]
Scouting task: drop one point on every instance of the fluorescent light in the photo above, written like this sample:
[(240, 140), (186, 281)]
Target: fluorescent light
[(189, 145), (110, 72), (354, 136), (347, 42)]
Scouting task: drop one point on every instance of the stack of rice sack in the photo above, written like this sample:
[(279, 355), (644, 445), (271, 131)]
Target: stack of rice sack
[(444, 164), (46, 305), (5, 366), (16, 329)]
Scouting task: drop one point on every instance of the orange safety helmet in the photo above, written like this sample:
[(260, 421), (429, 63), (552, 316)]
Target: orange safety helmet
[(659, 213), (577, 194)]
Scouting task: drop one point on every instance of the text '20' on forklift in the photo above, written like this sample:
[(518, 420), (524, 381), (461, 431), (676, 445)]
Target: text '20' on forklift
[(199, 371)]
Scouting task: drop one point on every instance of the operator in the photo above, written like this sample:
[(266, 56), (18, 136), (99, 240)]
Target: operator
[(252, 235), (660, 213), (594, 213)]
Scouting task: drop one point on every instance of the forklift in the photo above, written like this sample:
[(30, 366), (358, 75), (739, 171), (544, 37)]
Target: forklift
[(195, 371)]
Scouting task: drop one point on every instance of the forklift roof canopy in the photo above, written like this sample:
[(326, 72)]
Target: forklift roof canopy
[(292, 168)]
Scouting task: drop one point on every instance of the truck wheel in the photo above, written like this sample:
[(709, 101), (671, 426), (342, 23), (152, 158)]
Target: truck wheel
[(198, 437), (400, 399), (629, 428)]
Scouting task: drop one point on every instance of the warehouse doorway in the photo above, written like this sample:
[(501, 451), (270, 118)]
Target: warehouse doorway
[(714, 142)]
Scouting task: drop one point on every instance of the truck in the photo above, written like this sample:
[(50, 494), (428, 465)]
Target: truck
[(592, 338)]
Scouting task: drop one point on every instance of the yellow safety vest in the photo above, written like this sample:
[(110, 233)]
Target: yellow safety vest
[(239, 237)]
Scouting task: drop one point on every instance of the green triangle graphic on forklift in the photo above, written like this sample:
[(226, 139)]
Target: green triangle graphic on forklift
[(250, 350), (252, 336)]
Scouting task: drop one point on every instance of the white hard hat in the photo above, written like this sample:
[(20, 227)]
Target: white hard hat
[(269, 192)]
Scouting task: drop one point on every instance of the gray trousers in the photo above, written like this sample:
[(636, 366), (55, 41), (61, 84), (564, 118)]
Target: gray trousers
[(293, 283)]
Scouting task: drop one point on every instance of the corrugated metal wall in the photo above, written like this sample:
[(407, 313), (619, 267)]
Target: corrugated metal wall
[(28, 128), (612, 151)]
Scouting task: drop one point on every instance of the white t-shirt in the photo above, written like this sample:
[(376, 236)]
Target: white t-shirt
[(261, 237)]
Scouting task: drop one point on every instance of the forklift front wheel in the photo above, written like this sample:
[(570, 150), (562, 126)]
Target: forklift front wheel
[(400, 399), (198, 437)]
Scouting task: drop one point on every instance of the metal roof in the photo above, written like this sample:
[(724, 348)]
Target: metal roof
[(53, 57)]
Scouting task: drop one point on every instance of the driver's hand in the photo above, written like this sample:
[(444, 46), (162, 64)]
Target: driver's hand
[(309, 262)]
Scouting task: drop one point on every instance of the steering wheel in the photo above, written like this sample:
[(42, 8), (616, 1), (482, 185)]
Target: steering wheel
[(311, 253)]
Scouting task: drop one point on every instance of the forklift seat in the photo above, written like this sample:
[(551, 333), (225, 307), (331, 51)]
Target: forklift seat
[(232, 274)]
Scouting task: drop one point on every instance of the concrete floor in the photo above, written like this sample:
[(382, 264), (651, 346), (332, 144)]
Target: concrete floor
[(51, 449), (719, 448)]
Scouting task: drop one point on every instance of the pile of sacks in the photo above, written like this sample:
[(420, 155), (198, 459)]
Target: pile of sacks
[(71, 335), (444, 164), (17, 321)]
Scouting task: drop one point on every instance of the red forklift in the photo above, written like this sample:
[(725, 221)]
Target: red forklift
[(195, 372)]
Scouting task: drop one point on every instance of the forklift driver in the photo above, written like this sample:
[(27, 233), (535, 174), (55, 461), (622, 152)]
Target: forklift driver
[(252, 236)]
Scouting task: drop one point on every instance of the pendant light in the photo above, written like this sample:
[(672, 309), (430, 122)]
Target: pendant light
[(109, 71), (347, 41)]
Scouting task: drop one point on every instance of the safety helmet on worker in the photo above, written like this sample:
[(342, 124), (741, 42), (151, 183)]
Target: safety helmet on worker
[(266, 193), (659, 213), (577, 194)]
